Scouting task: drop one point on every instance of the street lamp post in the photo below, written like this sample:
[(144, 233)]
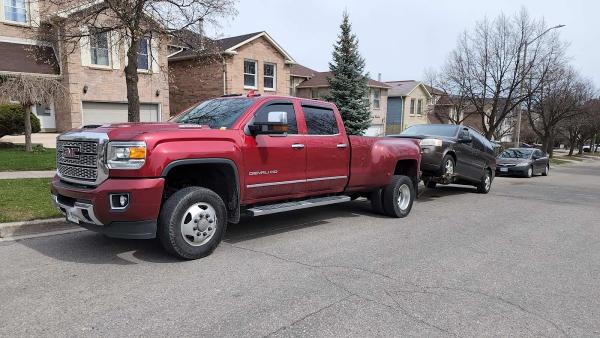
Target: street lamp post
[(520, 113)]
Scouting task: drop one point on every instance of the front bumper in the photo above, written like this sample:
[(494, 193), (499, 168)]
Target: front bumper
[(431, 159), (507, 171), (90, 207)]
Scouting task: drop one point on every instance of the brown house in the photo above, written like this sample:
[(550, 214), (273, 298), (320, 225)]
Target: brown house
[(91, 71), (234, 65)]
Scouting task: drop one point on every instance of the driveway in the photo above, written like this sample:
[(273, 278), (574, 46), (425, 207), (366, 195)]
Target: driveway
[(520, 261)]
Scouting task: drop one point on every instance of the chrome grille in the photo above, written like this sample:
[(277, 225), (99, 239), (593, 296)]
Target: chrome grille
[(77, 159)]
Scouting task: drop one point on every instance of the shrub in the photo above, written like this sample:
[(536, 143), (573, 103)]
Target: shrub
[(12, 120)]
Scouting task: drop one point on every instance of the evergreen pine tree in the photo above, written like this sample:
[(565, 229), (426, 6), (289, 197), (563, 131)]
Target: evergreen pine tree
[(348, 83)]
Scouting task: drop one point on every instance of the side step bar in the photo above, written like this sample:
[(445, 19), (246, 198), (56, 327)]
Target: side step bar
[(296, 205)]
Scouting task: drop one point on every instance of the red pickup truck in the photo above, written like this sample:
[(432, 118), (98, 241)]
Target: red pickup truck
[(183, 181)]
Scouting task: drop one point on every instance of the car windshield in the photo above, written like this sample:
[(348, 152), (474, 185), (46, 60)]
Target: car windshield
[(216, 113), (431, 130), (516, 153)]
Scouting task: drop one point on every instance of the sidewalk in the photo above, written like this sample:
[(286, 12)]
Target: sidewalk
[(48, 140), (9, 175)]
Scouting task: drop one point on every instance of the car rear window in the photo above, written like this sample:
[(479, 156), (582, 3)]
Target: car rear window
[(431, 130), (320, 120)]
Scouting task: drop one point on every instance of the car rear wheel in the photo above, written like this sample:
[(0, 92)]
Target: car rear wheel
[(546, 170), (398, 196), (192, 222), (485, 184)]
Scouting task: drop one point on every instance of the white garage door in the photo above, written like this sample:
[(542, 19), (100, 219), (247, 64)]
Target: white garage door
[(104, 112)]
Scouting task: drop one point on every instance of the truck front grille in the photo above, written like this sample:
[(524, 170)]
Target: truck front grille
[(77, 160)]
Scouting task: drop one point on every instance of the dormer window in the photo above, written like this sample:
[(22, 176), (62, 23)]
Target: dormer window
[(15, 10)]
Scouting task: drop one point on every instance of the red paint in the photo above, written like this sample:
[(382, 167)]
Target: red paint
[(366, 162)]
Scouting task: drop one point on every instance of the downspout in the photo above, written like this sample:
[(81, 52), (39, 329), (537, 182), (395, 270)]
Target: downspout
[(224, 75)]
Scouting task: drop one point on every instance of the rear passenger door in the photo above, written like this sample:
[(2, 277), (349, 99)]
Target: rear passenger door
[(327, 150)]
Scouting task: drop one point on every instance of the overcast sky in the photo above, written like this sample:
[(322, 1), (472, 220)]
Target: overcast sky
[(400, 39)]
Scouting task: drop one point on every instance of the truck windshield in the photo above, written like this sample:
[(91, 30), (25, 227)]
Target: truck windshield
[(216, 113), (431, 130)]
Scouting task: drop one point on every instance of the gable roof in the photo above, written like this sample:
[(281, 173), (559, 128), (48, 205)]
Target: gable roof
[(405, 87), (193, 43), (299, 70), (320, 79)]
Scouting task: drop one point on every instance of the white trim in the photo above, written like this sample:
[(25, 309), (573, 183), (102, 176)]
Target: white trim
[(67, 12), (289, 59), (33, 74), (22, 41), (181, 49), (269, 184), (424, 88), (255, 74), (274, 88), (27, 23)]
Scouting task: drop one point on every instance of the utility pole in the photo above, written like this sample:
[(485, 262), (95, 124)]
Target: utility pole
[(517, 134)]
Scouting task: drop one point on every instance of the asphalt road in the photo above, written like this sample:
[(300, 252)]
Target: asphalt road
[(523, 260)]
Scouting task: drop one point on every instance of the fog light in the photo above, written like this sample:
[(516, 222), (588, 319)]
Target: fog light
[(119, 201)]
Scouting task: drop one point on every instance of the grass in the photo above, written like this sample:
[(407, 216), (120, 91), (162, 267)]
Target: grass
[(558, 161), (15, 158), (26, 199)]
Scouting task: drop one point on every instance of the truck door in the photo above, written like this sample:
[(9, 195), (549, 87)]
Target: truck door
[(275, 164), (327, 150)]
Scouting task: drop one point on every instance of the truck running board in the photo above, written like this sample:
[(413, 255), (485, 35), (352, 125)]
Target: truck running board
[(296, 205)]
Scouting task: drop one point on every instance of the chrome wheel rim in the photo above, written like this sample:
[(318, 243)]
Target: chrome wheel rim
[(529, 172), (449, 167), (487, 182), (198, 224), (546, 170), (403, 197)]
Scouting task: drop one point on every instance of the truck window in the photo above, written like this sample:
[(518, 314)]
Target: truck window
[(320, 120), (285, 107)]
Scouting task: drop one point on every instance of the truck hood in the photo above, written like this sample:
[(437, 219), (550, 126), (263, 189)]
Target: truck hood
[(127, 131)]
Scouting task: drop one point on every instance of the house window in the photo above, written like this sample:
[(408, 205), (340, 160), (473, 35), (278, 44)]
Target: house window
[(412, 106), (99, 48), (420, 107), (270, 75), (144, 54), (314, 93), (249, 73), (15, 10), (376, 98)]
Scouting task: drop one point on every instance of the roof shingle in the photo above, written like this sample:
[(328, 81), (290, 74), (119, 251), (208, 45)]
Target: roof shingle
[(320, 79)]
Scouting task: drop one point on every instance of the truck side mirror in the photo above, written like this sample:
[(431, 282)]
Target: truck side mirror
[(273, 122)]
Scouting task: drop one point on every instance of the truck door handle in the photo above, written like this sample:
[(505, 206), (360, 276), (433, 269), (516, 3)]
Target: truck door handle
[(298, 146), (342, 145)]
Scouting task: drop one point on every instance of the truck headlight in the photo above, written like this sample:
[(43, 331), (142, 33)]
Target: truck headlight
[(431, 142), (126, 155)]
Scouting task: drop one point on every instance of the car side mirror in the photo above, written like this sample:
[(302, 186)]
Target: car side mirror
[(464, 139), (273, 122)]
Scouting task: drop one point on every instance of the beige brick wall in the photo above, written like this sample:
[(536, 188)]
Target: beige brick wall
[(410, 119), (194, 80), (261, 51)]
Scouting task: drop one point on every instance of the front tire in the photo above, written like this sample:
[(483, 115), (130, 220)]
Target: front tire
[(485, 184), (398, 196), (529, 172), (546, 170), (192, 223)]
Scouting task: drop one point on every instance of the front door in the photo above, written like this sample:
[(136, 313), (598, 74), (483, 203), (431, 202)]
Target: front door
[(45, 113), (465, 166), (328, 151), (275, 164)]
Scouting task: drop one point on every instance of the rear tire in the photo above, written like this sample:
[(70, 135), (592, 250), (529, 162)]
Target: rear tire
[(398, 196), (192, 223), (546, 170), (376, 202), (485, 184)]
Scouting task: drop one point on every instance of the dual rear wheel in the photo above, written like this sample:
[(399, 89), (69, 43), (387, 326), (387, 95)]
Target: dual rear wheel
[(395, 199)]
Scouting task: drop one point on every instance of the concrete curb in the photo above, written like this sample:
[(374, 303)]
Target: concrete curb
[(12, 228), (10, 175)]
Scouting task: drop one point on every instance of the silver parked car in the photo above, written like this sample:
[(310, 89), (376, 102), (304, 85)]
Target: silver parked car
[(522, 162)]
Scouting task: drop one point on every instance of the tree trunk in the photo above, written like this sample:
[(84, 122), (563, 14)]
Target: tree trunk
[(550, 146), (131, 80), (27, 109), (571, 148)]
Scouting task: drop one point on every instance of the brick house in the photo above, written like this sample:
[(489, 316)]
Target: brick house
[(317, 87), (233, 65), (92, 71), (407, 105)]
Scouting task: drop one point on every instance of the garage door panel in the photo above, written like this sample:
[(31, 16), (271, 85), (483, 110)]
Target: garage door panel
[(106, 112)]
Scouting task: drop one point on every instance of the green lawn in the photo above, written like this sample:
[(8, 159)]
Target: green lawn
[(15, 158), (558, 161), (26, 199)]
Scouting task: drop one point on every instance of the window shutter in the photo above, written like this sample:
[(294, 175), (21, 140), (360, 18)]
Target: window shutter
[(114, 47), (34, 13), (84, 46), (154, 51)]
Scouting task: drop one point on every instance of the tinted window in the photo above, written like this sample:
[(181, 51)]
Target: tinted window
[(217, 113), (320, 121), (285, 107), (431, 130)]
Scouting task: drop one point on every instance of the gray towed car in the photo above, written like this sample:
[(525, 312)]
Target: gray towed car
[(454, 154), (522, 162)]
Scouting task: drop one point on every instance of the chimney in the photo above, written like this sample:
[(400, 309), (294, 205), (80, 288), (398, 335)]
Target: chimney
[(379, 77)]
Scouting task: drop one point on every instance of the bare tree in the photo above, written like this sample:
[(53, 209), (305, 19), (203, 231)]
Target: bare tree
[(30, 90), (130, 23), (451, 104), (488, 68)]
